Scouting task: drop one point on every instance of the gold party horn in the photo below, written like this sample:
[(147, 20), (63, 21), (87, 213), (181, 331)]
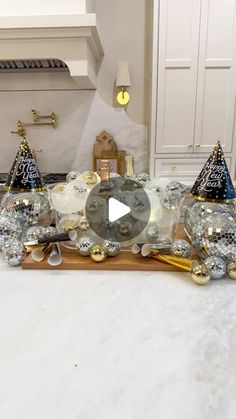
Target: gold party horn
[(182, 263)]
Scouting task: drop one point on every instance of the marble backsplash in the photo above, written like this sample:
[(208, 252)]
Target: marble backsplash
[(82, 115)]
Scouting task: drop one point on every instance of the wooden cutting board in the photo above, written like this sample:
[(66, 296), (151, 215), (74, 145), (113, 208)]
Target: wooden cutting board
[(126, 260)]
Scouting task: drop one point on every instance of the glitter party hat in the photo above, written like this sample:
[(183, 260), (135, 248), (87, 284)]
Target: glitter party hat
[(24, 175), (214, 183)]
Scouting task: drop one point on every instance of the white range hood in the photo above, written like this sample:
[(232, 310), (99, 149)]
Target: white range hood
[(39, 43)]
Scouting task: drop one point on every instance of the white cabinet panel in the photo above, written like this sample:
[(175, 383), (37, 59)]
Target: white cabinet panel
[(219, 17), (215, 107), (176, 122), (214, 114), (177, 74), (194, 85), (185, 169)]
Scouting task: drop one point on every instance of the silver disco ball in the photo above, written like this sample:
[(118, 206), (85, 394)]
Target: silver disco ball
[(29, 208), (9, 227), (13, 251), (198, 210), (215, 235)]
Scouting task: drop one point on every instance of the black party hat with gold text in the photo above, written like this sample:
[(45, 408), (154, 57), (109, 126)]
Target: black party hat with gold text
[(214, 183), (24, 175)]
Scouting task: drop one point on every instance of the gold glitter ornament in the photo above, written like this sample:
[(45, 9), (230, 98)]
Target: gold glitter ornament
[(83, 224), (200, 274), (91, 178), (98, 253), (231, 269)]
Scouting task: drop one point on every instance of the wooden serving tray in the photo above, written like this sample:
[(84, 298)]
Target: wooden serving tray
[(125, 261)]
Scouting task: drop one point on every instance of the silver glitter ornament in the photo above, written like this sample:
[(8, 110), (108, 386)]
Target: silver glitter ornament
[(84, 245), (181, 248), (72, 176), (215, 235), (49, 231), (152, 232), (175, 187), (171, 200), (231, 269), (13, 251), (216, 266), (34, 233), (9, 227), (112, 248), (142, 178), (198, 210), (29, 208)]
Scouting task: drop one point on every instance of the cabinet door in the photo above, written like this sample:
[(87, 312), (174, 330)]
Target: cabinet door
[(179, 23), (216, 76)]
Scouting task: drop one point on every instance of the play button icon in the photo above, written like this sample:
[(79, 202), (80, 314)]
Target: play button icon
[(116, 210)]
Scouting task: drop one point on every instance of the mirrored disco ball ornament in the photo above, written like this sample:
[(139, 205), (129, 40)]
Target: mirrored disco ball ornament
[(215, 235), (181, 248), (112, 248), (34, 233), (13, 251), (84, 245), (9, 227), (216, 266), (29, 208), (198, 210), (171, 199), (152, 232)]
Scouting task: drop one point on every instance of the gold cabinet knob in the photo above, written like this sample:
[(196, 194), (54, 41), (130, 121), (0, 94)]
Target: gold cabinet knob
[(173, 167), (190, 145), (198, 145)]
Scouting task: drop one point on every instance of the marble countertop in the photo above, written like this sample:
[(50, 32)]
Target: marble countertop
[(116, 345)]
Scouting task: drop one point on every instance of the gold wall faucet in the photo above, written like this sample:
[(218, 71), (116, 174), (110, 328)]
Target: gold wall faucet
[(51, 120)]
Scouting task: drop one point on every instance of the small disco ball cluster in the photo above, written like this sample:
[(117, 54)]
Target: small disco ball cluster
[(87, 246), (23, 217)]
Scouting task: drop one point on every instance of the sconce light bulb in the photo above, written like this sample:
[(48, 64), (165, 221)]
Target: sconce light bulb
[(123, 97)]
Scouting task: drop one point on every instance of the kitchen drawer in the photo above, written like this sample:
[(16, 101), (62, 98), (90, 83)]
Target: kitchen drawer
[(182, 169)]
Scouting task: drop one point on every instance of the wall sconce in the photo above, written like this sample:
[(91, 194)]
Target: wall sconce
[(122, 82)]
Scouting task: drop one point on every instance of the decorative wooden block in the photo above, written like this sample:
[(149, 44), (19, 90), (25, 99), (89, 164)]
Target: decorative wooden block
[(126, 260), (106, 149)]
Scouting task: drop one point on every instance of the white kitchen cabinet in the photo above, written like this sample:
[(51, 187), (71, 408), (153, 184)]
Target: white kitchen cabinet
[(194, 82), (182, 169)]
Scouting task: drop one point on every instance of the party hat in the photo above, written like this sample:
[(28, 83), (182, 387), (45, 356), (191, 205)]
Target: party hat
[(24, 175), (214, 183)]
